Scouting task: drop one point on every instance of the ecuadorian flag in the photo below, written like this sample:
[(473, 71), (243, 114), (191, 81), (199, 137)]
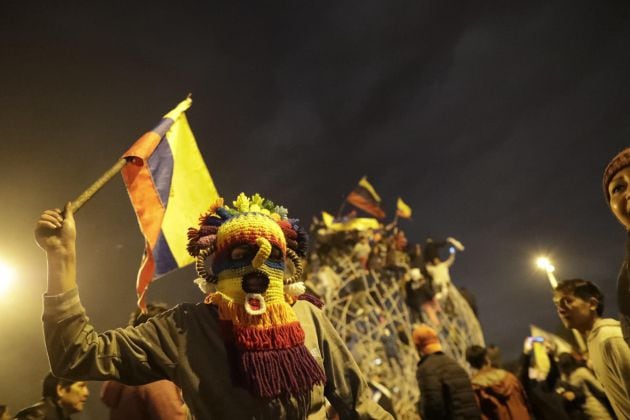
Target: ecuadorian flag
[(169, 187)]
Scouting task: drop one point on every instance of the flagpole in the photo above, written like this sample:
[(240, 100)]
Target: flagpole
[(343, 205), (89, 192)]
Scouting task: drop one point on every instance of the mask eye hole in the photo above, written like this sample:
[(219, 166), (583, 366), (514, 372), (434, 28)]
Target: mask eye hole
[(241, 252), (276, 254)]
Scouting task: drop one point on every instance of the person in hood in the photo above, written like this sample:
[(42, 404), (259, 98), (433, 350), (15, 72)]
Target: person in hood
[(616, 185), (580, 305), (159, 400), (499, 393)]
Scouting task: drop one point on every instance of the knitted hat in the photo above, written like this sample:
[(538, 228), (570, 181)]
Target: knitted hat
[(426, 340), (616, 164)]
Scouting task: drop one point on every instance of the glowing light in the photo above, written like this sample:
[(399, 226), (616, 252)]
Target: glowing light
[(7, 276), (544, 264)]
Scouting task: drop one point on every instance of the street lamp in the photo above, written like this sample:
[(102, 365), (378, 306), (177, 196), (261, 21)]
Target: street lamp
[(544, 264)]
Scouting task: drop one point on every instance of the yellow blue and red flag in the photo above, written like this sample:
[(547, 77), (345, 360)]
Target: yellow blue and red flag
[(169, 186), (364, 196)]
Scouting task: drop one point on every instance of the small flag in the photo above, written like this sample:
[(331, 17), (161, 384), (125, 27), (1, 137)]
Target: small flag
[(365, 197), (169, 187), (402, 209)]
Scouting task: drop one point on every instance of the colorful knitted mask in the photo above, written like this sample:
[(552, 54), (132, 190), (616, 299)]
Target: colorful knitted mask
[(244, 250)]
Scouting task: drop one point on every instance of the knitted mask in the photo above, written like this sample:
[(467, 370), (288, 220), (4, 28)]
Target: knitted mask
[(244, 251)]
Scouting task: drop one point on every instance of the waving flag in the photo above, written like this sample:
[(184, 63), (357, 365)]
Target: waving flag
[(365, 197), (169, 187), (402, 209)]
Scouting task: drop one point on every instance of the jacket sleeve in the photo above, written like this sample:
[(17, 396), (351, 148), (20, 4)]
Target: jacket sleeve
[(617, 357), (345, 388), (585, 377), (133, 356)]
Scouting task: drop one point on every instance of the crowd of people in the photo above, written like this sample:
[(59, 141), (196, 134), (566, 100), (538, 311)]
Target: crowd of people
[(547, 384), (258, 346)]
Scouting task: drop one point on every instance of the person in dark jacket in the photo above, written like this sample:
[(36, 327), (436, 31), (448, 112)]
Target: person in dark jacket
[(545, 402), (445, 389), (582, 391), (616, 185), (60, 399)]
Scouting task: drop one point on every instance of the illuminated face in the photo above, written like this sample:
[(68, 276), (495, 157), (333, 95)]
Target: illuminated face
[(575, 312), (72, 399), (619, 191), (249, 261)]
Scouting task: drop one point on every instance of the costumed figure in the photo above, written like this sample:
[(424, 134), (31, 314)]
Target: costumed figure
[(257, 348), (243, 251)]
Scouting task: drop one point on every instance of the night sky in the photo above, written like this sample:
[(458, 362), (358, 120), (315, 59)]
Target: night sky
[(494, 122)]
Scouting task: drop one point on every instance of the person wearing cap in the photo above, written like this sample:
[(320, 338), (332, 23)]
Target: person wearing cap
[(616, 185), (445, 389)]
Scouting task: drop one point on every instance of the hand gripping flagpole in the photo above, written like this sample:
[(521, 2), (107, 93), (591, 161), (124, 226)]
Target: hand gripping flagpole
[(86, 195)]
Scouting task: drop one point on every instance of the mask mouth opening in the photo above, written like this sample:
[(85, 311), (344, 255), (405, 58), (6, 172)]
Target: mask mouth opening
[(255, 304), (255, 282)]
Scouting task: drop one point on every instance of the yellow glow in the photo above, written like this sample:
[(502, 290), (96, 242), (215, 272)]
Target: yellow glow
[(544, 264), (7, 276)]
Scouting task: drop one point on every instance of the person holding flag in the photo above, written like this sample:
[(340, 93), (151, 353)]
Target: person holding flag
[(256, 348)]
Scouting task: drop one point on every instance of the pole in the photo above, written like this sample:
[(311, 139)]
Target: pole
[(341, 207), (552, 279), (85, 196)]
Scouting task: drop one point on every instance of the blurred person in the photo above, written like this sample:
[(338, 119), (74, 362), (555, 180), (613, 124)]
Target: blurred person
[(580, 305), (494, 354), (573, 400), (159, 400), (440, 270), (595, 401), (361, 251), (382, 395), (499, 393), (540, 386), (60, 399), (257, 347), (616, 184), (417, 293), (445, 389)]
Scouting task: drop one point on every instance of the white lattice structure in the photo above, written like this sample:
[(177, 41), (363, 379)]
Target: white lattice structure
[(368, 312), (367, 308), (458, 326)]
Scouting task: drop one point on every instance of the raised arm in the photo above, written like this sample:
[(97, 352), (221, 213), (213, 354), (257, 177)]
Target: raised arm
[(75, 349), (56, 234)]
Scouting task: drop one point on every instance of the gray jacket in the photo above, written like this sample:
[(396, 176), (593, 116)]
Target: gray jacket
[(184, 345)]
